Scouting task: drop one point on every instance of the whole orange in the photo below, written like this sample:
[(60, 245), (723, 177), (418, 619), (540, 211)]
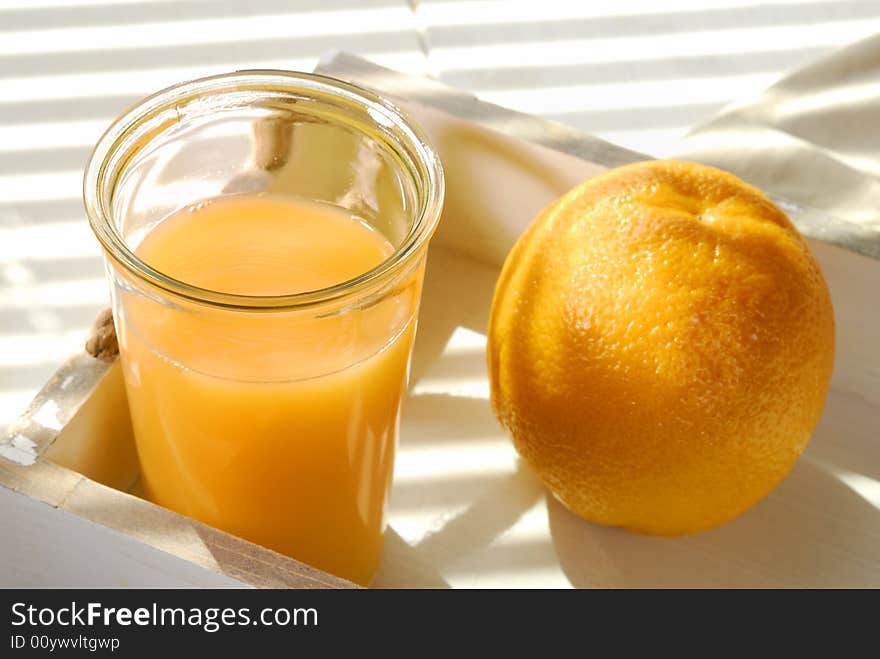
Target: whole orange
[(660, 347)]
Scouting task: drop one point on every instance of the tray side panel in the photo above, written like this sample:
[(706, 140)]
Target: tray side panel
[(50, 548), (44, 501), (107, 457)]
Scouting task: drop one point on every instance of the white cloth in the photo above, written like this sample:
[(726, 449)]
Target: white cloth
[(813, 137)]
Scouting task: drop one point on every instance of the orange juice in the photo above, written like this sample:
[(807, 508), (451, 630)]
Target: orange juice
[(278, 427)]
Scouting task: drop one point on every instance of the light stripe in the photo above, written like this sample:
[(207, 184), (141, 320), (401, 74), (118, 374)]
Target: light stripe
[(532, 527), (659, 143), (13, 402), (507, 12), (59, 294), (44, 242), (51, 134), (48, 4), (15, 274), (545, 575), (57, 88), (486, 457), (847, 96), (866, 487), (90, 85), (465, 341), (624, 95), (32, 349), (473, 387), (339, 23), (48, 186), (633, 49)]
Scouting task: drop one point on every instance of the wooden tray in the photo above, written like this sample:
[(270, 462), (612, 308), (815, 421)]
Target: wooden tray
[(465, 512)]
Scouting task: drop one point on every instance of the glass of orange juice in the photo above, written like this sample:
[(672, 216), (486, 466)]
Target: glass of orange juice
[(265, 236)]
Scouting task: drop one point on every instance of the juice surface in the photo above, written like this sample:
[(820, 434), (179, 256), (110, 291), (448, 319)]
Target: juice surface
[(278, 427)]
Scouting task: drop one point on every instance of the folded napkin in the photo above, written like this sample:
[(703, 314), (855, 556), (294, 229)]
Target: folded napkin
[(812, 138)]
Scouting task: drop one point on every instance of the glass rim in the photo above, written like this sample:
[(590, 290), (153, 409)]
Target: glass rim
[(427, 214)]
